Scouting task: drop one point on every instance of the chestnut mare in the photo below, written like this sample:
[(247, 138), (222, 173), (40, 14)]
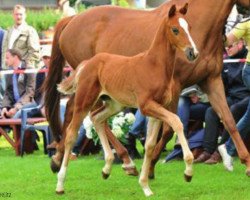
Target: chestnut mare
[(142, 81), (117, 30)]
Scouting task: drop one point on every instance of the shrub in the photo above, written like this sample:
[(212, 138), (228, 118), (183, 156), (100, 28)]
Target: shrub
[(41, 20)]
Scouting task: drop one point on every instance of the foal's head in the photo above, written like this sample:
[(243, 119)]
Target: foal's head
[(178, 32)]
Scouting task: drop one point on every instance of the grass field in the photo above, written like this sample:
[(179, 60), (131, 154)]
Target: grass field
[(30, 178)]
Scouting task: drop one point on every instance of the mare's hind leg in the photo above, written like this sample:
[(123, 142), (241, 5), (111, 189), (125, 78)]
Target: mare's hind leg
[(157, 111), (99, 118), (56, 159)]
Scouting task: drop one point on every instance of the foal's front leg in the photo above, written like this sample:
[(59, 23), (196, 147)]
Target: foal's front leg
[(152, 133), (157, 111)]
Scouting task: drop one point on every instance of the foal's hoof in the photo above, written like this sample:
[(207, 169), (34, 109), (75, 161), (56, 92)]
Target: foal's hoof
[(151, 176), (54, 166), (131, 171), (188, 178), (60, 192), (248, 173), (104, 175)]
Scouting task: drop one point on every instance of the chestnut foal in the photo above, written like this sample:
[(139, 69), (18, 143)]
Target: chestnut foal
[(144, 81)]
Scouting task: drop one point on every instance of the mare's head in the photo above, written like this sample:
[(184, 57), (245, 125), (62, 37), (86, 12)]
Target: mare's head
[(178, 32)]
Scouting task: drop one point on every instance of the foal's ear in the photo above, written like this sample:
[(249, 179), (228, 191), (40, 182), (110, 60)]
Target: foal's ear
[(184, 9), (172, 11)]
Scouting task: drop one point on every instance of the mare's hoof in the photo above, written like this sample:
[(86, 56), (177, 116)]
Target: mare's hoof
[(54, 166), (60, 192), (104, 175), (151, 176), (248, 173), (131, 171), (188, 178)]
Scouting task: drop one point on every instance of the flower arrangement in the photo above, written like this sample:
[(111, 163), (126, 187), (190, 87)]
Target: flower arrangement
[(119, 124)]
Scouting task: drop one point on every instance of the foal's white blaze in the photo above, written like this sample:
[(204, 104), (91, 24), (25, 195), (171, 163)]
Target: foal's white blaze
[(184, 25)]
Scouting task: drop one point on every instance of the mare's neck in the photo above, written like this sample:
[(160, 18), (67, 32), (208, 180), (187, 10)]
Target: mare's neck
[(208, 26), (161, 51)]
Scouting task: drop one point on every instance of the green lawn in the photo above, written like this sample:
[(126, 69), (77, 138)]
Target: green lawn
[(30, 178)]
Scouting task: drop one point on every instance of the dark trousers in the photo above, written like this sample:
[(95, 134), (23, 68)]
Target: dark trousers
[(213, 123)]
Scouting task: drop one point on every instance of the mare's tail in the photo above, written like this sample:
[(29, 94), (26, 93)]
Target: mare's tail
[(52, 97)]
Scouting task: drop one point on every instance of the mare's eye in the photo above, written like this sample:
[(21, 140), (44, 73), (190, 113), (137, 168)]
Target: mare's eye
[(175, 31)]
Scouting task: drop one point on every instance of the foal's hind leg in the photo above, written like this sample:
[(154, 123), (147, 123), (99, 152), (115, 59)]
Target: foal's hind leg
[(128, 165), (83, 102), (69, 142), (100, 121)]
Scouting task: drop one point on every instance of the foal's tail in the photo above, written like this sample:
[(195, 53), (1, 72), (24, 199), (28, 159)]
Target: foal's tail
[(52, 97), (68, 85)]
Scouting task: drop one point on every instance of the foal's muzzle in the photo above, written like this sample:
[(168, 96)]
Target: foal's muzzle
[(191, 53)]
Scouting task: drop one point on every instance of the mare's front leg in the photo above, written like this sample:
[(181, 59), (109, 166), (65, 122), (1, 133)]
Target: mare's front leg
[(158, 111), (215, 91), (56, 159)]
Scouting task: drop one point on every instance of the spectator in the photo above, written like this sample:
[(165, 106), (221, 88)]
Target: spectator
[(40, 77), (242, 30), (237, 98), (2, 85), (19, 87), (2, 32), (23, 38), (192, 105)]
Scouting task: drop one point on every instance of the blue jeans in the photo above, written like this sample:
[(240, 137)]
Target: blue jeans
[(243, 125), (188, 110), (140, 124), (29, 105)]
